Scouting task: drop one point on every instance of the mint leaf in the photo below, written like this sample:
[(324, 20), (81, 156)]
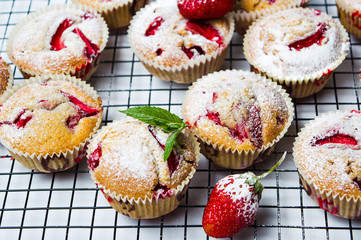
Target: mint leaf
[(155, 116)]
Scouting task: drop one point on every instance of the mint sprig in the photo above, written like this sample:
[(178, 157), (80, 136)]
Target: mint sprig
[(155, 116)]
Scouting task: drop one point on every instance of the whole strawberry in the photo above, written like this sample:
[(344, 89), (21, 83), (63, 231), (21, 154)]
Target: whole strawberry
[(233, 203), (204, 9)]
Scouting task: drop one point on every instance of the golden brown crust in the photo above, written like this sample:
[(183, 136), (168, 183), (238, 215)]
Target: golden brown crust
[(4, 75)]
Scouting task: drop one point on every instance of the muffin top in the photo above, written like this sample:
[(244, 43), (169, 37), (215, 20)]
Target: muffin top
[(296, 44), (105, 3), (126, 160), (57, 39), (49, 117), (236, 109), (159, 33), (327, 152), (353, 5), (5, 75), (256, 5)]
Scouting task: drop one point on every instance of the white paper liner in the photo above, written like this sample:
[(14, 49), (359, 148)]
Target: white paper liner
[(348, 21), (83, 71), (53, 162), (186, 72), (235, 159), (118, 14), (244, 19), (297, 86), (148, 208), (342, 206)]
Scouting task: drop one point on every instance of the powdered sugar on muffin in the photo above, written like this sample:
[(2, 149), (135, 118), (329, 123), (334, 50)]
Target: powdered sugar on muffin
[(162, 34), (295, 43)]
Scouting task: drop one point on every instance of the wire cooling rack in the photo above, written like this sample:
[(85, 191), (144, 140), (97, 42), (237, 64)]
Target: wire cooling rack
[(67, 205)]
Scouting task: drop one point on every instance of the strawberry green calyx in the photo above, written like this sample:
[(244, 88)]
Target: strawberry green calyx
[(255, 181)]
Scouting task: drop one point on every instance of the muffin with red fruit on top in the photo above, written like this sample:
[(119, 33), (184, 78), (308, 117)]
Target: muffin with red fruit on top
[(58, 39), (6, 76), (127, 163), (238, 116), (298, 48), (349, 13), (327, 155), (47, 121), (117, 13), (172, 47), (247, 11)]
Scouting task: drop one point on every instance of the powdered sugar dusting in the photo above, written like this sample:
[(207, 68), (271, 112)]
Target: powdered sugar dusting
[(332, 166), (270, 39), (237, 93), (31, 45), (172, 34), (237, 189)]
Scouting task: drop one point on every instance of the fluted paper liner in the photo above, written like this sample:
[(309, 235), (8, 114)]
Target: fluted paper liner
[(118, 14), (53, 162), (194, 68), (298, 86), (148, 208), (236, 159), (244, 19), (336, 204), (82, 71), (350, 22)]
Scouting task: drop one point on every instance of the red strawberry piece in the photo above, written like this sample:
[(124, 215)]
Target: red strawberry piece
[(316, 37), (82, 109), (355, 19), (153, 27), (161, 191), (159, 51), (190, 51), (56, 42), (214, 116), (21, 119), (240, 131), (204, 29), (91, 50), (233, 204), (93, 160), (88, 15), (204, 9), (337, 138)]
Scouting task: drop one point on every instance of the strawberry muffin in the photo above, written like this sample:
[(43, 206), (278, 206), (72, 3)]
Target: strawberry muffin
[(327, 153), (174, 48), (127, 164), (298, 48), (6, 76), (59, 39), (349, 13), (238, 116), (117, 13), (46, 121), (247, 11)]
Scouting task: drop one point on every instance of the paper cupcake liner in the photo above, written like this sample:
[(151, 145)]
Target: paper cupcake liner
[(53, 162), (335, 204), (235, 159), (150, 207), (299, 86), (83, 71), (192, 70), (117, 15), (349, 18), (244, 19)]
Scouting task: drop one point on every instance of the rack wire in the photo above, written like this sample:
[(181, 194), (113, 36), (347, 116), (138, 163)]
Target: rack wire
[(67, 205)]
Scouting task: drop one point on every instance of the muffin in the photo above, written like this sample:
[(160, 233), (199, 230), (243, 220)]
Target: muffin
[(178, 49), (327, 155), (6, 76), (126, 162), (247, 11), (349, 13), (238, 116), (117, 13), (298, 48), (59, 39), (46, 121)]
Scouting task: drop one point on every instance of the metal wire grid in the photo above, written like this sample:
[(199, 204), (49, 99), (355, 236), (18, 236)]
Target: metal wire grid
[(67, 205)]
